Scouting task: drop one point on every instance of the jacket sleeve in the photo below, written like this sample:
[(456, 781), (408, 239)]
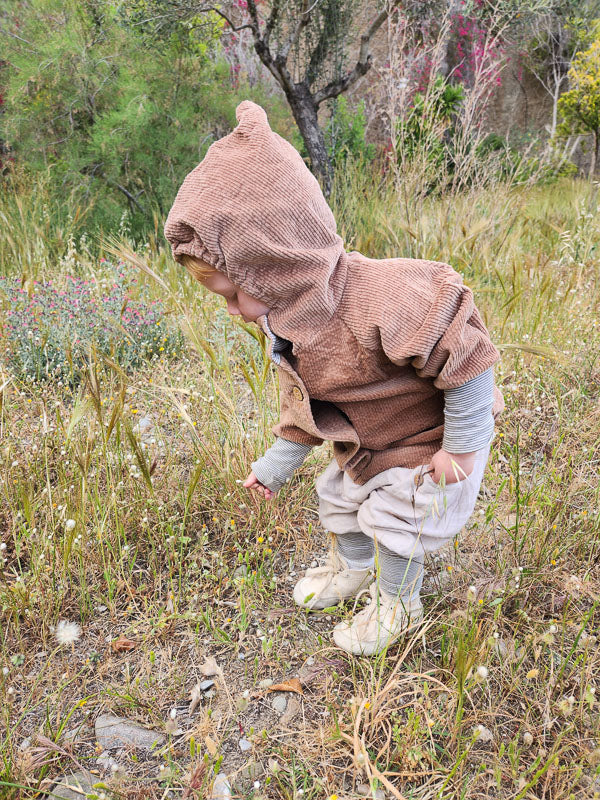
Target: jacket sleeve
[(442, 334)]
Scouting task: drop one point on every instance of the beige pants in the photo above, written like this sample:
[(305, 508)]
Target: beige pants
[(404, 509)]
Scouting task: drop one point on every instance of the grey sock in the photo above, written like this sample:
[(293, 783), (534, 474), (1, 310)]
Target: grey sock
[(399, 575), (356, 548)]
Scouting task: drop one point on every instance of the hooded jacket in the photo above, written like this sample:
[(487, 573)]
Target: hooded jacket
[(373, 342)]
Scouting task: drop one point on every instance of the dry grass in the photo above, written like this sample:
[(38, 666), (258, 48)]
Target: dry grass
[(152, 560)]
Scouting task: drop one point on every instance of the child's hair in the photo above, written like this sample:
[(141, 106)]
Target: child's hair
[(197, 269)]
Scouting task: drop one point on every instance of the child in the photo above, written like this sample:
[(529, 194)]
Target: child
[(387, 358)]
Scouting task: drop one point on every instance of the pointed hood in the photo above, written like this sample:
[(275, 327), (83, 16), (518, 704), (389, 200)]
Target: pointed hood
[(253, 210)]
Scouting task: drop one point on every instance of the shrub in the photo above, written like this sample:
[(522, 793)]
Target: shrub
[(50, 329)]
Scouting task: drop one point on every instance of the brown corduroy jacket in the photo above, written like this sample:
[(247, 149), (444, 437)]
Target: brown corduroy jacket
[(374, 341)]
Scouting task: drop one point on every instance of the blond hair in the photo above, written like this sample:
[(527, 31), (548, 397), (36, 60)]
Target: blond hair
[(197, 268)]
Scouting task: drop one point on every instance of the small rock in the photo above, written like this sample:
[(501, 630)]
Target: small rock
[(204, 686), (221, 789), (264, 684), (250, 772), (314, 564), (245, 745), (501, 648), (241, 571), (293, 707), (25, 744), (114, 732), (279, 703), (73, 787), (363, 789)]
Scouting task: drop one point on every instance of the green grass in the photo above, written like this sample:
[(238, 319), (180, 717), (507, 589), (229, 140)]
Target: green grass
[(169, 552)]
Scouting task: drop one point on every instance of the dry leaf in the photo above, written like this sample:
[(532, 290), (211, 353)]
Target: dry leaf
[(293, 685), (195, 696), (210, 667), (122, 644), (211, 746)]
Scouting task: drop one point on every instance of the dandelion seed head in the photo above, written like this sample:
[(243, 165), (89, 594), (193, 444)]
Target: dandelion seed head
[(70, 524), (67, 632), (482, 672)]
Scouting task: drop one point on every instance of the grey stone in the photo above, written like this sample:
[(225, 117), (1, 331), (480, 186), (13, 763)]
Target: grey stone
[(221, 789), (249, 772), (501, 648), (73, 786), (204, 686), (245, 745), (241, 571), (25, 744), (264, 684), (279, 703), (364, 789), (114, 732)]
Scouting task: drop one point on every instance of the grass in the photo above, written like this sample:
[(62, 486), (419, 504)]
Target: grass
[(170, 561)]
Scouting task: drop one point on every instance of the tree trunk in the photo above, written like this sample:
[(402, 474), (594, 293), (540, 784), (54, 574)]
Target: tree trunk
[(305, 114)]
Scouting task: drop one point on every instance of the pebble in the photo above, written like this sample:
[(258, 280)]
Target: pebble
[(314, 564), (221, 788), (25, 744), (204, 686), (73, 786), (279, 703), (264, 684), (114, 732), (245, 745), (501, 648), (364, 789)]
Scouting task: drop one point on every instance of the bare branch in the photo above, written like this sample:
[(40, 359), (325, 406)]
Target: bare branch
[(283, 54), (272, 20), (363, 64), (226, 18)]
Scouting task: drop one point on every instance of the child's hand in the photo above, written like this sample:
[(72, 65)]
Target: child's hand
[(455, 466), (252, 482)]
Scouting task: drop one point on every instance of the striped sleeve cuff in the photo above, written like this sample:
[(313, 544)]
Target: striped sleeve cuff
[(279, 463), (468, 420)]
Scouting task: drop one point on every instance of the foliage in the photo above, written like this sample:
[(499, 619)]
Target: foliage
[(344, 134), (428, 126), (580, 106), (50, 327), (117, 119)]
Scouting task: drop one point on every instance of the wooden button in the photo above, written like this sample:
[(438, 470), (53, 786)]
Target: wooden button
[(297, 392)]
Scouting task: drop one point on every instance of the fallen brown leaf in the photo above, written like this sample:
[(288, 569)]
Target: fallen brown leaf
[(210, 667), (122, 644), (211, 746), (293, 685)]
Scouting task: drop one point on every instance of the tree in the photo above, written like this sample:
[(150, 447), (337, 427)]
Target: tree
[(116, 123), (580, 106), (303, 44)]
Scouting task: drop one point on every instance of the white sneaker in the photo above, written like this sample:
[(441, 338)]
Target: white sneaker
[(379, 624), (334, 582)]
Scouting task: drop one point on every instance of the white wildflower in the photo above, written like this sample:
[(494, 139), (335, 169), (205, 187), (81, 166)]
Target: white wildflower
[(67, 632), (70, 524), (482, 672)]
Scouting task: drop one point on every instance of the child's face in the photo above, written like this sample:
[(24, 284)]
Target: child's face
[(238, 302)]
